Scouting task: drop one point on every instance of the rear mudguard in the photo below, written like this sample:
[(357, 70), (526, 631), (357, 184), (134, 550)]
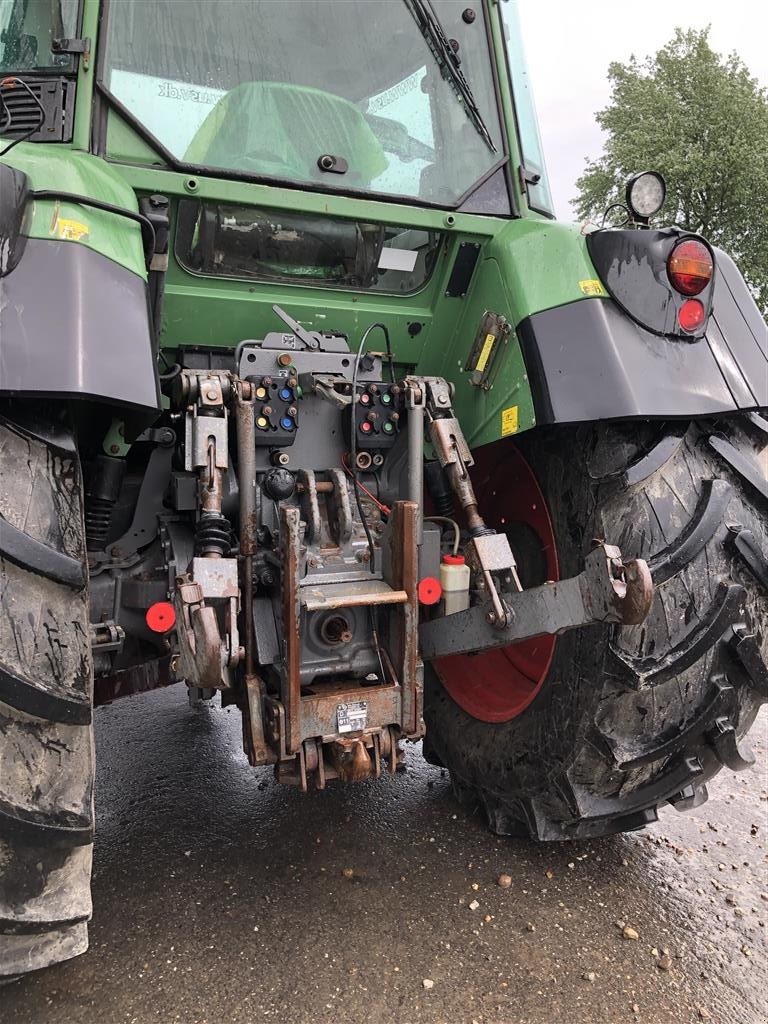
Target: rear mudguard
[(73, 322), (596, 360)]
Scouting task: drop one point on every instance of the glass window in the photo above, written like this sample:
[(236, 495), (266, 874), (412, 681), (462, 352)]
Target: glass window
[(539, 196), (243, 242), (271, 87), (27, 28)]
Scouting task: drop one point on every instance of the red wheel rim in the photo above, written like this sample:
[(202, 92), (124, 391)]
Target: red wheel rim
[(499, 685)]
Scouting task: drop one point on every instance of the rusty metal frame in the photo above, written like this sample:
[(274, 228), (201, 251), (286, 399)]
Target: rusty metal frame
[(300, 718), (254, 740), (405, 645), (318, 709), (290, 545)]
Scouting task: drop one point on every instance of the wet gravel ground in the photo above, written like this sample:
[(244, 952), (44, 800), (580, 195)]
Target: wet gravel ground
[(222, 897)]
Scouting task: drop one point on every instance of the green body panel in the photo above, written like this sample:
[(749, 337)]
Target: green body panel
[(62, 169), (544, 264), (480, 411), (513, 277), (526, 264)]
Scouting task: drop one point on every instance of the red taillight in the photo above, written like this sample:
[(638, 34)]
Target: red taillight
[(690, 267), (692, 315)]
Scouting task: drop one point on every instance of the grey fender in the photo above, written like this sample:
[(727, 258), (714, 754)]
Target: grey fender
[(589, 360), (75, 324)]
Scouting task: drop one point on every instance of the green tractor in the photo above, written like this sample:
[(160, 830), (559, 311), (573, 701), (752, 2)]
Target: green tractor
[(309, 401)]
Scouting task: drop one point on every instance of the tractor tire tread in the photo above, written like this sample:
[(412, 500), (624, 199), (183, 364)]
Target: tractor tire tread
[(46, 786), (33, 555), (42, 700), (674, 696)]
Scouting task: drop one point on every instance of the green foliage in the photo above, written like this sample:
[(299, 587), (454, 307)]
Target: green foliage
[(702, 120)]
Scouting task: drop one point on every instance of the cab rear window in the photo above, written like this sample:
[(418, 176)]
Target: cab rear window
[(225, 240)]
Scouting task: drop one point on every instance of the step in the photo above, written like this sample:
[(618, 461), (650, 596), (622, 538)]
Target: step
[(350, 595)]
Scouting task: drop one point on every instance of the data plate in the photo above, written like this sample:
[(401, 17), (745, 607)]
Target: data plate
[(352, 717)]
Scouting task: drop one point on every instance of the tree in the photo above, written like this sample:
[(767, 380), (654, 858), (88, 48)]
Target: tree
[(702, 121)]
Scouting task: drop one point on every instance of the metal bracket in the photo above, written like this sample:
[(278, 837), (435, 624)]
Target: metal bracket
[(199, 433), (483, 360), (149, 506), (164, 436), (528, 177), (206, 657), (608, 590), (76, 47), (307, 338), (71, 45), (449, 443), (107, 637), (490, 557)]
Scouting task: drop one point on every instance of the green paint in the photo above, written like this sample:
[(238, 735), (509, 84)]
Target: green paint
[(479, 411), (543, 263), (175, 184), (114, 442), (51, 166)]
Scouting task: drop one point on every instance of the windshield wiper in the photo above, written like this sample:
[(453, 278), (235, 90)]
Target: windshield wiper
[(448, 61)]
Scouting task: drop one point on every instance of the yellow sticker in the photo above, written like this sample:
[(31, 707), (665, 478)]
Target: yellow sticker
[(485, 353), (71, 230), (593, 287), (509, 420)]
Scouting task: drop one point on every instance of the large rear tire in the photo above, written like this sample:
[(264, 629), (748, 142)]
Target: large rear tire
[(46, 739), (621, 720)]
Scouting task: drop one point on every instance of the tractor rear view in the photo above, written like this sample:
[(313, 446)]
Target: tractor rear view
[(307, 401)]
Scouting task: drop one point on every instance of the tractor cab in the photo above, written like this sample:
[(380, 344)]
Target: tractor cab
[(413, 103)]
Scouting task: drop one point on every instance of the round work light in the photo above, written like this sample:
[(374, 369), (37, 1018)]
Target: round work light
[(645, 195)]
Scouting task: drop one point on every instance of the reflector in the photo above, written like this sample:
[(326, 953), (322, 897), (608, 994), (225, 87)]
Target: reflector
[(161, 617), (430, 590), (691, 315)]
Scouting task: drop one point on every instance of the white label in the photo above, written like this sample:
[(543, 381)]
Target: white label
[(353, 716), (398, 259)]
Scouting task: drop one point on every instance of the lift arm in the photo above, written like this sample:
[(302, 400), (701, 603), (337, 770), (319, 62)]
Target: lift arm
[(608, 590)]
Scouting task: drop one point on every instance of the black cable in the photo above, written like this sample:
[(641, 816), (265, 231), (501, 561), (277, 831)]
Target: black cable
[(353, 429), (9, 116), (390, 358), (147, 227), (172, 372), (616, 206)]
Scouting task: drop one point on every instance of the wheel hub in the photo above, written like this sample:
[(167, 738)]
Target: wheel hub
[(500, 684)]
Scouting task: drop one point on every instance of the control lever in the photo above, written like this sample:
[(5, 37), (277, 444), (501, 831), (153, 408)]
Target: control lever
[(306, 337)]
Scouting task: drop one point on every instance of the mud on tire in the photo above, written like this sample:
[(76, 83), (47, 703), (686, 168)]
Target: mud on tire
[(46, 743), (630, 718)]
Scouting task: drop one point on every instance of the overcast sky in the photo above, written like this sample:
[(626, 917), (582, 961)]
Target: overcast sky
[(569, 46)]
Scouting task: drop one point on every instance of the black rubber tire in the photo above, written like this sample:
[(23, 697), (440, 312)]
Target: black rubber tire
[(630, 718), (46, 735)]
